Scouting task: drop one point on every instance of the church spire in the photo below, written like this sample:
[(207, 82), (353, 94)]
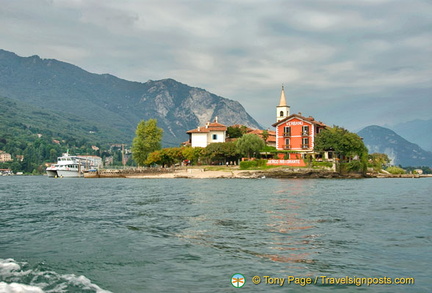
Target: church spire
[(283, 110), (282, 102)]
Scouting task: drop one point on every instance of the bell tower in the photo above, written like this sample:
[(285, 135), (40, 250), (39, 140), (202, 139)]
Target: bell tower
[(283, 110)]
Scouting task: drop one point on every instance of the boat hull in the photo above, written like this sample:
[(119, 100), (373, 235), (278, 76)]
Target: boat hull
[(51, 173), (67, 173)]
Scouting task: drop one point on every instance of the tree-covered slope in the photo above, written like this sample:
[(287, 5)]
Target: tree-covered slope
[(23, 121), (34, 136)]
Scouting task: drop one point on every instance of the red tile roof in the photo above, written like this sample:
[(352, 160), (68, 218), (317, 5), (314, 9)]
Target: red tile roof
[(259, 132), (210, 126)]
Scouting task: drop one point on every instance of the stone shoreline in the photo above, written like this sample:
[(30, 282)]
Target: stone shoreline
[(196, 173)]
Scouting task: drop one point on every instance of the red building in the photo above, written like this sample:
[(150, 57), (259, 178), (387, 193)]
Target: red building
[(295, 132)]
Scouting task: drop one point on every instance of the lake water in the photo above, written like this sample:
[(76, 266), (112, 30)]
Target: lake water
[(185, 235)]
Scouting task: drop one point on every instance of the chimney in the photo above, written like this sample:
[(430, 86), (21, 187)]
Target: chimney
[(216, 118), (199, 128)]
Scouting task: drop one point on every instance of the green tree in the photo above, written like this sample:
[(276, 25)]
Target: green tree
[(378, 161), (148, 139), (31, 159), (265, 136), (345, 144), (221, 151), (166, 156), (117, 157), (249, 144), (234, 132), (192, 154), (15, 167), (53, 155), (154, 158), (173, 156)]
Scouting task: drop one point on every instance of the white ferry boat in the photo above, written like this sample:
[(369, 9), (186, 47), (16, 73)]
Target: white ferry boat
[(73, 166), (67, 166)]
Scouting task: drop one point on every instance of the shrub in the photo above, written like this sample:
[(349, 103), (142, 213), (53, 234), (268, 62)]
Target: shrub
[(354, 166), (269, 149), (322, 164), (395, 170), (247, 165)]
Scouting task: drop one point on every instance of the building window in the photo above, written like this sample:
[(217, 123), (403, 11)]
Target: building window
[(305, 142), (281, 114), (305, 130), (214, 136), (287, 144), (287, 131)]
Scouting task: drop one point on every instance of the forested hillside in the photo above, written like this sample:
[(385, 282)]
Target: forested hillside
[(40, 135)]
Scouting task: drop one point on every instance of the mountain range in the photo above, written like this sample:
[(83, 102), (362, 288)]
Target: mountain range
[(399, 150), (417, 131), (112, 103), (63, 101)]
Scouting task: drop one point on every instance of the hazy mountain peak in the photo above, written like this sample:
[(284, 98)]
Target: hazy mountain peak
[(416, 131), (379, 139)]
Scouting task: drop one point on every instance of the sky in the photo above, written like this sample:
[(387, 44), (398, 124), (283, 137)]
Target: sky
[(346, 63)]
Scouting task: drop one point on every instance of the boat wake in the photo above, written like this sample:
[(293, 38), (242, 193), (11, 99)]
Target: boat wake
[(20, 277)]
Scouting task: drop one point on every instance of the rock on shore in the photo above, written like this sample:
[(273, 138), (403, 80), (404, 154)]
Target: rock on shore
[(299, 173)]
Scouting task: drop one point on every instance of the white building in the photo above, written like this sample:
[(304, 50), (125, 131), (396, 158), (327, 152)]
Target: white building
[(5, 157), (210, 133)]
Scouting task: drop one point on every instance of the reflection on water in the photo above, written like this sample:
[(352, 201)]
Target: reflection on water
[(272, 226), (291, 233)]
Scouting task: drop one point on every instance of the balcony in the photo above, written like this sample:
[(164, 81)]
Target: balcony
[(305, 133), (287, 134), (286, 147), (305, 146)]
